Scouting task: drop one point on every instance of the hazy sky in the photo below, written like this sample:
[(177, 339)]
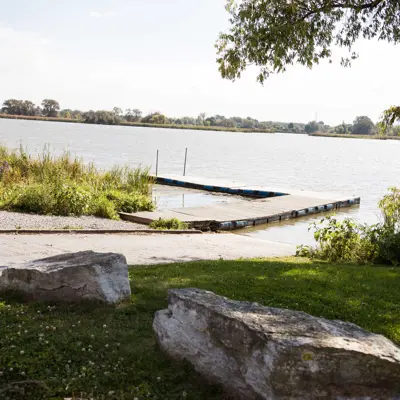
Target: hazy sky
[(159, 55)]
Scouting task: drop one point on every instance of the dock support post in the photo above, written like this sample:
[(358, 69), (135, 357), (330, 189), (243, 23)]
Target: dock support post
[(157, 165), (184, 167)]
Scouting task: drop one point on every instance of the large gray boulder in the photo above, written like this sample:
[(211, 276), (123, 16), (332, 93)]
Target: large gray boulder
[(70, 277), (259, 352)]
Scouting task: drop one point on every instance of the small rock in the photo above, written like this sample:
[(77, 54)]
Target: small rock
[(259, 352), (70, 277)]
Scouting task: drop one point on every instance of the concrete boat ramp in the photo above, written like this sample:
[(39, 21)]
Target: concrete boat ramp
[(264, 205)]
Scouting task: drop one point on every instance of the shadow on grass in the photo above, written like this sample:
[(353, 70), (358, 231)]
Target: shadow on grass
[(98, 349), (366, 295)]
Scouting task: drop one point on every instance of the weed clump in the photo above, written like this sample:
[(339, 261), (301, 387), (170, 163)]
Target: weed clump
[(63, 185)]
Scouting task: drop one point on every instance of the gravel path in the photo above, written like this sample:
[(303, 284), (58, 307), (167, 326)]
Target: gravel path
[(13, 220)]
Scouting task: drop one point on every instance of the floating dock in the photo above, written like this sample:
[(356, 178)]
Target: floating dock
[(263, 206)]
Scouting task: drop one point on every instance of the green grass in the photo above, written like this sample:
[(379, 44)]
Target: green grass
[(169, 224), (101, 350), (64, 185)]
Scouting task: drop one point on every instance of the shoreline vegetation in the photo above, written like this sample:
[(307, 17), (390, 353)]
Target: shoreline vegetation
[(66, 186), (204, 128), (141, 124), (350, 136), (50, 110)]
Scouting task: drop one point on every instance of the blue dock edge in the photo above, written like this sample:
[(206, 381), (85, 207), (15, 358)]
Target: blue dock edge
[(218, 189)]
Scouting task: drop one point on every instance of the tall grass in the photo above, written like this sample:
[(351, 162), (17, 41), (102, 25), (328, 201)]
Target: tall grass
[(65, 185)]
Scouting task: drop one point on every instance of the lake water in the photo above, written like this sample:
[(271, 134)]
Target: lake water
[(356, 167)]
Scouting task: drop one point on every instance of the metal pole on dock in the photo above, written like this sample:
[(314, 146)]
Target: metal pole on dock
[(157, 165), (184, 167)]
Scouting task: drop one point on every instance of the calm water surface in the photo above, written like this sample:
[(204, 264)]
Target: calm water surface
[(364, 168)]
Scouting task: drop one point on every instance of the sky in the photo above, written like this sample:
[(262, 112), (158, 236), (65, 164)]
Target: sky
[(159, 55)]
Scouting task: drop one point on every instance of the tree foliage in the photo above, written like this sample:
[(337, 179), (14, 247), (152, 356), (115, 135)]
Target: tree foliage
[(20, 107), (50, 108), (155, 118), (389, 117), (363, 126), (311, 127), (133, 115), (101, 117), (273, 34), (117, 111), (71, 114), (315, 126), (116, 116)]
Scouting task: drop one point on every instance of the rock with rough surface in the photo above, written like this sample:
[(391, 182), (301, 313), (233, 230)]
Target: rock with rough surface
[(70, 277), (259, 352)]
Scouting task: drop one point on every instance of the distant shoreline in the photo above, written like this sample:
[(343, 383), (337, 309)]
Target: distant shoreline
[(349, 136), (140, 124), (199, 127)]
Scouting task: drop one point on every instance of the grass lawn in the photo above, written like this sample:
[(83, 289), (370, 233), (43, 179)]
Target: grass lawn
[(112, 354)]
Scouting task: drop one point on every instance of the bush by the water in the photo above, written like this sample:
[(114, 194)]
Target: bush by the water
[(168, 224), (66, 186), (347, 240)]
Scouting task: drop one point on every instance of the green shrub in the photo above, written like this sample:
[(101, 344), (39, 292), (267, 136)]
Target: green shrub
[(130, 202), (34, 198), (104, 208), (349, 241), (388, 247), (166, 224), (341, 241), (71, 199), (390, 207), (66, 186)]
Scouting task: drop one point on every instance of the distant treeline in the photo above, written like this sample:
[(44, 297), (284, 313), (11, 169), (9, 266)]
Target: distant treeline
[(50, 110), (362, 126)]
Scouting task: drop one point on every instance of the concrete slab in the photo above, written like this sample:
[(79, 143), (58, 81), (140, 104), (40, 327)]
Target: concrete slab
[(236, 215), (142, 249)]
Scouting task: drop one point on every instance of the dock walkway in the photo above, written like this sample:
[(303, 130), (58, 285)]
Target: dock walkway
[(266, 205)]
